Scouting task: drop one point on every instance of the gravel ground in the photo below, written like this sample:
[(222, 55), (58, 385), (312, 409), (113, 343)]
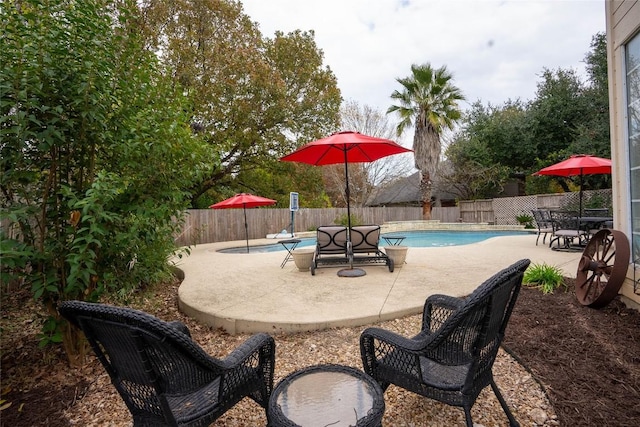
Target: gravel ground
[(102, 407), (42, 390)]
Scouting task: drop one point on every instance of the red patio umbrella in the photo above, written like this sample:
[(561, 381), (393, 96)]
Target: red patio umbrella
[(578, 165), (244, 201), (345, 147)]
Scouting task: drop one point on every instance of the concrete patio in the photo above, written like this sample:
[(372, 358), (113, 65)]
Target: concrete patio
[(251, 293)]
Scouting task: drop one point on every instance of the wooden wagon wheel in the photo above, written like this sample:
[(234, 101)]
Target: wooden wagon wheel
[(602, 268)]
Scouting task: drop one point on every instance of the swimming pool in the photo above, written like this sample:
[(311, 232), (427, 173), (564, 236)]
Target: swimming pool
[(413, 239)]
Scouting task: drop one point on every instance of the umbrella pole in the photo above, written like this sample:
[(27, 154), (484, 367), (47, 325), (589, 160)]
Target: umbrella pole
[(246, 229), (349, 272), (580, 211), (347, 194)]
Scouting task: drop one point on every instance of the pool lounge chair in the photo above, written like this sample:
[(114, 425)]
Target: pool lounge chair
[(332, 248), (365, 241)]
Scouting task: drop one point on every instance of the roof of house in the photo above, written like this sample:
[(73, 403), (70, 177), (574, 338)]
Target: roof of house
[(402, 190), (406, 190)]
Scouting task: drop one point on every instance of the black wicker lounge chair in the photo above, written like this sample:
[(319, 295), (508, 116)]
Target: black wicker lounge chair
[(162, 375), (450, 360)]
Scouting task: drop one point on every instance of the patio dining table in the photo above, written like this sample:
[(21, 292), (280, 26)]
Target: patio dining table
[(594, 222)]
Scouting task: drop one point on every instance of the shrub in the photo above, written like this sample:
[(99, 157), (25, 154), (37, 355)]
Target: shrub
[(96, 153), (545, 277), (526, 220), (343, 220)]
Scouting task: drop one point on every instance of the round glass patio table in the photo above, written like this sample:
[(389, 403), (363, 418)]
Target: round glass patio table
[(324, 395)]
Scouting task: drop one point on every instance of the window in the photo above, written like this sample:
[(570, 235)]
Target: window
[(632, 71)]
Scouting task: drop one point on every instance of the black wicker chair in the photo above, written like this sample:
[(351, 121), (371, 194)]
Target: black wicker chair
[(162, 375), (451, 359)]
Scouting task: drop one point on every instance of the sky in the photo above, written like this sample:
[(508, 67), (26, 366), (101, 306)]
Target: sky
[(496, 50)]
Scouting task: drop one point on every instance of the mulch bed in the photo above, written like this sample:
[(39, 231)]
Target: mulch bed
[(587, 360)]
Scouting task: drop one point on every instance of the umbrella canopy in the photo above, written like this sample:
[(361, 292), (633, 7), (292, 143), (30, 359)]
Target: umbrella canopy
[(244, 201), (578, 165), (345, 147)]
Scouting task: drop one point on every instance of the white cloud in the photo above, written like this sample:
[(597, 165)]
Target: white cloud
[(495, 49)]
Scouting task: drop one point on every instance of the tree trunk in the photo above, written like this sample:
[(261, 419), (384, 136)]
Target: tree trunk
[(426, 147), (74, 342), (75, 345), (425, 194)]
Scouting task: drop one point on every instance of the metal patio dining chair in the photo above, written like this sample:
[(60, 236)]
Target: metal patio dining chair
[(566, 229), (544, 223), (451, 359), (163, 376)]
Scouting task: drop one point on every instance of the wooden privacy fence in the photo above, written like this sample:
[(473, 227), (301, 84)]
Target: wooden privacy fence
[(219, 225), (213, 225)]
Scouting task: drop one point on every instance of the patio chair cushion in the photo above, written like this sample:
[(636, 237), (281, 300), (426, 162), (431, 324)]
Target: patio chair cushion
[(566, 228), (331, 239), (365, 238)]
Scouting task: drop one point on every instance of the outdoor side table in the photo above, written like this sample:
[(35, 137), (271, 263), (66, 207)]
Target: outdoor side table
[(326, 395), (289, 245), (393, 240)]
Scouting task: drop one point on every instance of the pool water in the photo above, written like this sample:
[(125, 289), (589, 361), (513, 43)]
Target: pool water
[(426, 239), (414, 239)]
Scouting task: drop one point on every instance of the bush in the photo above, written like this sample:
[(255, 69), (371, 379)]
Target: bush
[(96, 153), (526, 220), (343, 220), (545, 277)]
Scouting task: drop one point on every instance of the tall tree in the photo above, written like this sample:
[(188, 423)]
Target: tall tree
[(593, 133), (556, 112), (428, 101), (468, 170), (253, 98), (506, 133)]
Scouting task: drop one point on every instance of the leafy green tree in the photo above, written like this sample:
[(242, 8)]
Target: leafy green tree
[(96, 156), (566, 117), (556, 112), (572, 117), (470, 170), (253, 99), (428, 101), (593, 133)]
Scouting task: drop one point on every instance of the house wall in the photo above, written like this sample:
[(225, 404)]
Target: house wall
[(623, 22)]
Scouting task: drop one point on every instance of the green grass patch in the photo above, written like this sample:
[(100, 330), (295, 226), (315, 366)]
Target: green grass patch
[(545, 277)]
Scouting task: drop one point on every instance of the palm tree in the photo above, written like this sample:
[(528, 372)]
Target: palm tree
[(429, 102)]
